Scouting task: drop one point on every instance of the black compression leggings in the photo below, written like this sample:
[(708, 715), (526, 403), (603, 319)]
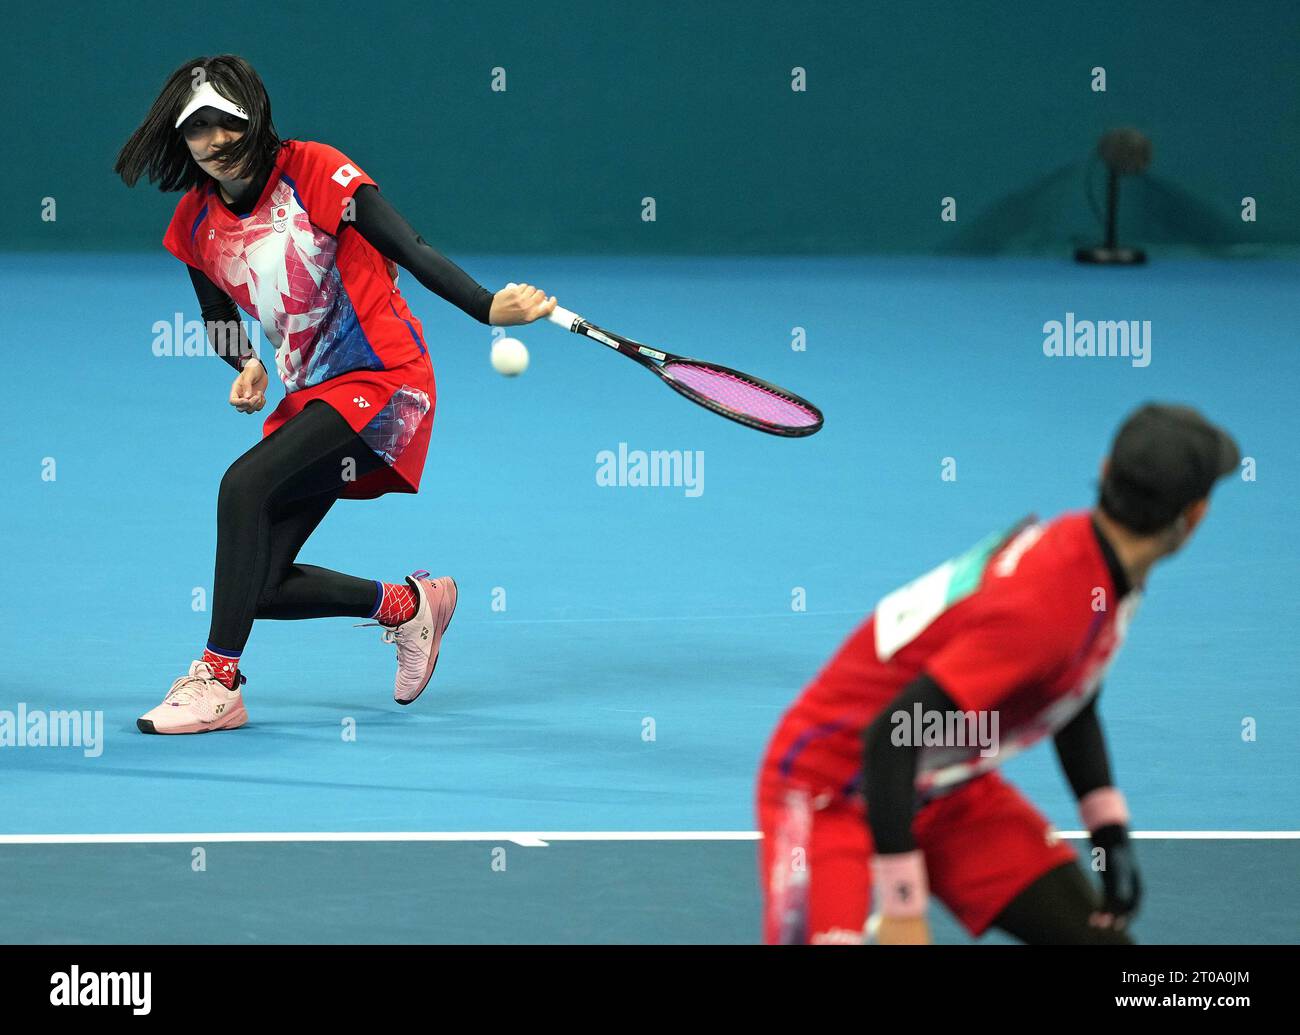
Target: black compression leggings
[(1054, 910), (271, 499)]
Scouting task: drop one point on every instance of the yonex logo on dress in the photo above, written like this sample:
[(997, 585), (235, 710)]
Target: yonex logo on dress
[(361, 402), (657, 468), (125, 988), (36, 728)]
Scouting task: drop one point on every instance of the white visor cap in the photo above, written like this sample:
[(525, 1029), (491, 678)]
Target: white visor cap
[(206, 96)]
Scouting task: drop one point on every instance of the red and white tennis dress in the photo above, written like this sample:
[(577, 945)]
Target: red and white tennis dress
[(326, 300), (1023, 624)]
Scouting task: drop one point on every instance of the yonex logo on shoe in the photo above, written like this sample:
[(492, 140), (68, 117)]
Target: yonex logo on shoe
[(35, 728), (126, 988)]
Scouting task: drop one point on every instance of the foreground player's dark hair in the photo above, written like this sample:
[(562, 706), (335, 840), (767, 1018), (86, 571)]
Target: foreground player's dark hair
[(158, 150), (1137, 511)]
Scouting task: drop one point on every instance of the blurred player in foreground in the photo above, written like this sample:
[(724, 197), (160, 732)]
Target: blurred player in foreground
[(880, 784)]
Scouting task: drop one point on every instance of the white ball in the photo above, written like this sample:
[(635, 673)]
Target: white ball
[(509, 356)]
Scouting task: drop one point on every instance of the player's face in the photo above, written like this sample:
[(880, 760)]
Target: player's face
[(208, 130)]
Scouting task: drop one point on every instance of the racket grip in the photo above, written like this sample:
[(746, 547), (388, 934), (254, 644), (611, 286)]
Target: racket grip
[(565, 318)]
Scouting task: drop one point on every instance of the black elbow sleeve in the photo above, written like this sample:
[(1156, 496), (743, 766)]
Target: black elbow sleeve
[(889, 768)]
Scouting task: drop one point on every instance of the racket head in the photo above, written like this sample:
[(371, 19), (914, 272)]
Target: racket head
[(741, 397)]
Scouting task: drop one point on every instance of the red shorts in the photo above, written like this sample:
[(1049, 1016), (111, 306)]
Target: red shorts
[(984, 844), (391, 409)]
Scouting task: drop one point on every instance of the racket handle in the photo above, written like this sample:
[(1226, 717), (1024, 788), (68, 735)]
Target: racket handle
[(565, 318)]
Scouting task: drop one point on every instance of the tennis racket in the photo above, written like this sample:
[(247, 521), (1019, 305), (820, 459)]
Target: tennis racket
[(729, 393)]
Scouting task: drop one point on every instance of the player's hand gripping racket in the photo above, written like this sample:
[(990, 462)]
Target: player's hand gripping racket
[(727, 392)]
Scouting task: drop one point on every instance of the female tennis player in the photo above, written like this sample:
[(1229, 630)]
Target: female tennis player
[(299, 237)]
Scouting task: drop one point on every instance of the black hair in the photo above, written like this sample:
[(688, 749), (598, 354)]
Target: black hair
[(1137, 510), (157, 148)]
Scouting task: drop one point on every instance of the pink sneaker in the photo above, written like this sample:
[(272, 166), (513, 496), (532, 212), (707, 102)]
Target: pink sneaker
[(196, 703), (420, 639)]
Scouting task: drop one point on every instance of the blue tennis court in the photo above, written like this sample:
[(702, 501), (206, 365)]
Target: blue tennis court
[(621, 652)]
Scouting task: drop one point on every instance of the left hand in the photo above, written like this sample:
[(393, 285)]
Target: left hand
[(1121, 885), (248, 393), (520, 303)]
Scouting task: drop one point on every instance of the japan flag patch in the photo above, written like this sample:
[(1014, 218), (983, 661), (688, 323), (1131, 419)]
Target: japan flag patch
[(345, 174), (280, 218)]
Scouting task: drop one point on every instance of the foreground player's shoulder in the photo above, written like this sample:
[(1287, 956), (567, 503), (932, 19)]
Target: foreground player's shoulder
[(1050, 572)]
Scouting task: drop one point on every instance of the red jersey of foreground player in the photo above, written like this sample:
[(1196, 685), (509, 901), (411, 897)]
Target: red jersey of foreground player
[(1024, 623), (327, 302)]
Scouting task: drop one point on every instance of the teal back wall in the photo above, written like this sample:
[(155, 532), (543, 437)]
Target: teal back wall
[(690, 103)]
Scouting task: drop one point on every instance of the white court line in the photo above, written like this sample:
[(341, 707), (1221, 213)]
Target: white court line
[(538, 839), (864, 612)]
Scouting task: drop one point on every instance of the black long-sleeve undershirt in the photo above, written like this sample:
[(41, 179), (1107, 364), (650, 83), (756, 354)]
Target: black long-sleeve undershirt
[(889, 770), (393, 237), (1081, 749)]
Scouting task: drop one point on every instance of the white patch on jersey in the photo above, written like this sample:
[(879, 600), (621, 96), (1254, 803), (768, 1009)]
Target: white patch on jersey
[(345, 174), (901, 616)]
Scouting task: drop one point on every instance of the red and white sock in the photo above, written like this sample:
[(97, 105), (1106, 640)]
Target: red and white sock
[(397, 603), (225, 666)]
